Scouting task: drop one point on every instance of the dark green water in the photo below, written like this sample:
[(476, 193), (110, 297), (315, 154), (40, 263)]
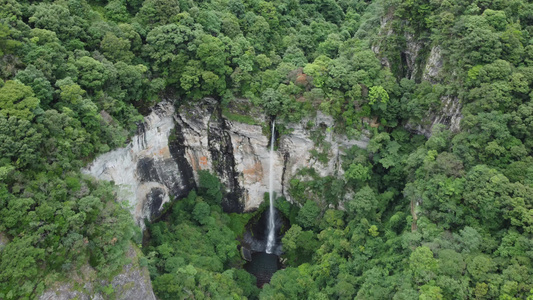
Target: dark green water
[(263, 266)]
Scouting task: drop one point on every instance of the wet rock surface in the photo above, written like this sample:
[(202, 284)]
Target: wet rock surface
[(256, 233), (449, 115), (3, 240)]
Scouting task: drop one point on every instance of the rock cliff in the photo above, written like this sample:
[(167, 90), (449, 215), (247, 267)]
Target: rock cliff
[(414, 63), (239, 153), (147, 171), (133, 283), (162, 161)]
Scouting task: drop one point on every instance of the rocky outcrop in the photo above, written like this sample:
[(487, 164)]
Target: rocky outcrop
[(434, 63), (449, 112), (410, 55), (163, 159), (133, 283), (207, 145), (150, 169), (417, 67), (385, 30), (3, 240), (239, 153), (449, 115)]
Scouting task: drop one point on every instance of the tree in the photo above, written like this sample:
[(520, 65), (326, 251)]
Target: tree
[(165, 46), (308, 215), (358, 172), (58, 18), (377, 94), (21, 142), (116, 10), (158, 12), (422, 264), (93, 74), (210, 186), (132, 80), (7, 45), (451, 263), (201, 212), (364, 203), (318, 70), (272, 101), (429, 292), (116, 49), (20, 263), (17, 100), (40, 85)]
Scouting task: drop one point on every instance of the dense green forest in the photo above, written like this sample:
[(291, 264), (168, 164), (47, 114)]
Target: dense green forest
[(449, 217)]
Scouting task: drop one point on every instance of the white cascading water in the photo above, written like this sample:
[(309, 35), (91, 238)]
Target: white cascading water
[(271, 241)]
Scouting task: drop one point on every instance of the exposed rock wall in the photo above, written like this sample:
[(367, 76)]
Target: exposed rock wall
[(410, 66), (3, 240), (239, 153), (449, 115), (133, 283), (163, 160), (434, 63), (147, 171), (207, 145), (410, 55), (415, 67)]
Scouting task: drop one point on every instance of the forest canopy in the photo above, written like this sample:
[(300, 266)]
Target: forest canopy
[(442, 216)]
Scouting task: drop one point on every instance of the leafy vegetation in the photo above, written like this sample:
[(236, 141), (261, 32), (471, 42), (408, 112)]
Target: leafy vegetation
[(438, 218), (193, 253)]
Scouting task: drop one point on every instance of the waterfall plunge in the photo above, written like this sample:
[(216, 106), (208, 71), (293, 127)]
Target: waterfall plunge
[(271, 240)]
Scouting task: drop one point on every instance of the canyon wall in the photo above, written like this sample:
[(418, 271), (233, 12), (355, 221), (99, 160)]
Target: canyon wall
[(162, 161)]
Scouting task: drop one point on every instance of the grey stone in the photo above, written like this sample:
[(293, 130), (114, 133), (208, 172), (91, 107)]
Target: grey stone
[(147, 170), (449, 114), (133, 283), (163, 160)]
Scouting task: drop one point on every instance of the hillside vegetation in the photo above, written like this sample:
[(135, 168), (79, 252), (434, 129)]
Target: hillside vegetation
[(449, 217)]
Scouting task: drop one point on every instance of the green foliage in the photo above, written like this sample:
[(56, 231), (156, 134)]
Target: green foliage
[(239, 118), (378, 94), (357, 172), (17, 100), (308, 215), (201, 212), (447, 217), (211, 186), (201, 258), (61, 233)]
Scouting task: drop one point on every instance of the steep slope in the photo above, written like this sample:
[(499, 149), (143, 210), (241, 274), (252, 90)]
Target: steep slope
[(163, 160)]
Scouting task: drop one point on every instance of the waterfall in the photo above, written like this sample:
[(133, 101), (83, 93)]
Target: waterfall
[(271, 241)]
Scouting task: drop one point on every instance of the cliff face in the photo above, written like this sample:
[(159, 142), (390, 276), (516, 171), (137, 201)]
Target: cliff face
[(162, 162), (239, 153), (148, 170), (163, 159), (133, 283), (416, 66)]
